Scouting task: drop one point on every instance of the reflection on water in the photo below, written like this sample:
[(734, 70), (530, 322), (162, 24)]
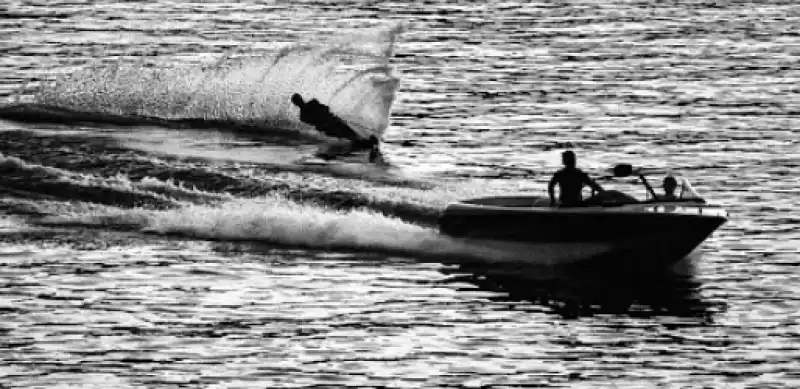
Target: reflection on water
[(570, 292), (596, 289)]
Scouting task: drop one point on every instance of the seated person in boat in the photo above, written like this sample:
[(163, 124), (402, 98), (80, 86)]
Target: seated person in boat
[(570, 181), (320, 116), (669, 184)]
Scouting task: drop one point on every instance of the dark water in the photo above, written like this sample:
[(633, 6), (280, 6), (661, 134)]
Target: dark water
[(164, 224)]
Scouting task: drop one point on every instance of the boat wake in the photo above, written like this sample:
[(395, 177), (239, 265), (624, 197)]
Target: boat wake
[(275, 219), (58, 181)]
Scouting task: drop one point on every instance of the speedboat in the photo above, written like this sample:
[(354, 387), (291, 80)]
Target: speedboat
[(609, 225)]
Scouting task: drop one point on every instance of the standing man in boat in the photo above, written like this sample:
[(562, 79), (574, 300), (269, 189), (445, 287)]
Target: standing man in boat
[(320, 116), (570, 181)]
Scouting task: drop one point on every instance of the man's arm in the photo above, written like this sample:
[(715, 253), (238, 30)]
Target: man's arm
[(551, 189), (592, 184)]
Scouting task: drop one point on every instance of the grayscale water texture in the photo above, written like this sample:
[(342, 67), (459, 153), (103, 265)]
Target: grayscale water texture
[(159, 257)]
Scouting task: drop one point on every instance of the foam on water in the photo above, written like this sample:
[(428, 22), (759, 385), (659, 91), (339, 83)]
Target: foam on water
[(352, 75), (133, 192), (275, 219), (95, 170), (115, 190)]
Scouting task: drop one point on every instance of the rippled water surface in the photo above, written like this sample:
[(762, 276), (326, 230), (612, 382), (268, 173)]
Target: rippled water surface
[(163, 224)]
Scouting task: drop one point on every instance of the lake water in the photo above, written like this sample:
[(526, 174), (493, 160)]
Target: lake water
[(164, 224)]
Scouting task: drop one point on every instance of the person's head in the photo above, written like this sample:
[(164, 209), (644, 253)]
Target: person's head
[(568, 158), (297, 100), (669, 185)]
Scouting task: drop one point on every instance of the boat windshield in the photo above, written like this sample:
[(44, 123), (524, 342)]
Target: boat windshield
[(683, 191)]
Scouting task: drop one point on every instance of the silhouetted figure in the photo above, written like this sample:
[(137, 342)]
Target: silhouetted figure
[(570, 181), (320, 116), (669, 184)]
